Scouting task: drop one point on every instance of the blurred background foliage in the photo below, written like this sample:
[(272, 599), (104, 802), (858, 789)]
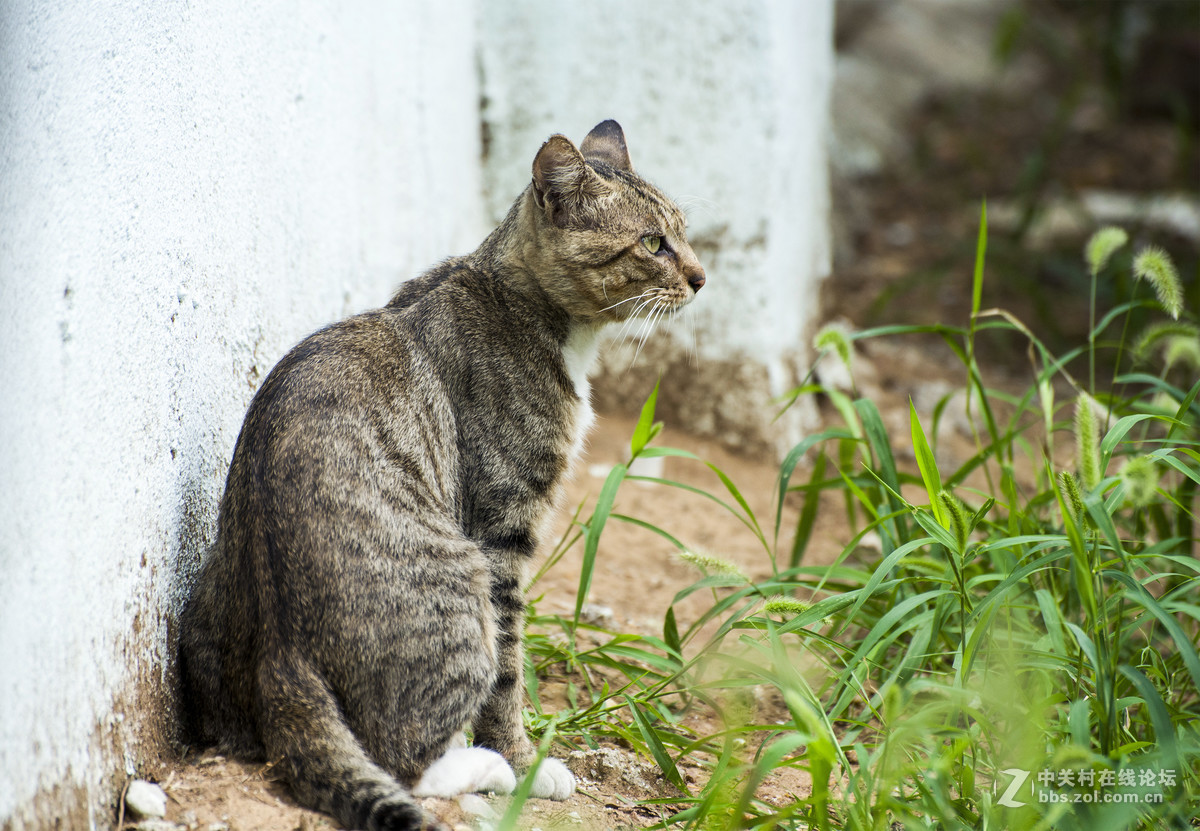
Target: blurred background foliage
[(1083, 112)]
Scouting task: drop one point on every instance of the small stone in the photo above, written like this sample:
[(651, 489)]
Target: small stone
[(599, 471), (158, 824), (647, 466), (145, 799), (899, 234), (596, 615), (476, 806)]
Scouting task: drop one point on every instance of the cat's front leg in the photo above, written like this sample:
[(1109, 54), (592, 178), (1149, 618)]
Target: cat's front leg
[(500, 725)]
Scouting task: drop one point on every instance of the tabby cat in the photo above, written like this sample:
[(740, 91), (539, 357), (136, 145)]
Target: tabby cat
[(363, 604)]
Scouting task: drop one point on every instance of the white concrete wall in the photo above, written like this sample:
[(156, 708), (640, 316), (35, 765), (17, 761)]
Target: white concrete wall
[(725, 106), (185, 191), (188, 189)]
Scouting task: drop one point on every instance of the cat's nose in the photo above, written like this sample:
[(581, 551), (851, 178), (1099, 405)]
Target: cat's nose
[(695, 278)]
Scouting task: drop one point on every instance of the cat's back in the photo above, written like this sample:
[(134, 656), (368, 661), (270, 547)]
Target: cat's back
[(358, 404), (354, 423)]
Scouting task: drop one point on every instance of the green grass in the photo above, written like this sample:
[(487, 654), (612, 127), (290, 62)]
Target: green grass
[(1030, 623)]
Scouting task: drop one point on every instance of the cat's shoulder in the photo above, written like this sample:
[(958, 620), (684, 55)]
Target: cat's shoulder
[(451, 276)]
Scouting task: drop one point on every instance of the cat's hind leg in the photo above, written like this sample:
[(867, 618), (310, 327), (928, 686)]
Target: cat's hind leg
[(499, 724), (431, 663), (325, 765)]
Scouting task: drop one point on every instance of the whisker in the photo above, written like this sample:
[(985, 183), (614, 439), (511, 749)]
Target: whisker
[(687, 202), (647, 329), (691, 316), (628, 331), (634, 315), (627, 299), (652, 307)]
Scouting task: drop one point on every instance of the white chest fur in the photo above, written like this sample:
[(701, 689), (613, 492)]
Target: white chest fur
[(579, 354)]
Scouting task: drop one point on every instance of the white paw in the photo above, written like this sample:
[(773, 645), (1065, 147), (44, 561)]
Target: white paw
[(466, 770), (553, 781)]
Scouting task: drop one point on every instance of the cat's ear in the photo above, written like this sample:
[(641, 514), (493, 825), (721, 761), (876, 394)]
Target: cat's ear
[(563, 184), (606, 143)]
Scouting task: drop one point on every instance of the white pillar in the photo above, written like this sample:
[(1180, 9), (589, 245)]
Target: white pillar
[(725, 106), (185, 191)]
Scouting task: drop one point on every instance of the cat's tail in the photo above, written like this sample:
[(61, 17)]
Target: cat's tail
[(303, 728)]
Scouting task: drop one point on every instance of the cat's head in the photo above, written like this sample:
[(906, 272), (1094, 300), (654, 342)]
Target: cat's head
[(615, 245)]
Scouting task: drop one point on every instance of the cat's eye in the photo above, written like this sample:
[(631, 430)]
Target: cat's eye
[(653, 243)]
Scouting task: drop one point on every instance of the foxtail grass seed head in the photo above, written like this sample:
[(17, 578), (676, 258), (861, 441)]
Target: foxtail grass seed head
[(1153, 265), (1161, 334), (1182, 351), (959, 521), (1070, 487), (1140, 476), (831, 337), (787, 607), (711, 565), (1102, 245), (1087, 441)]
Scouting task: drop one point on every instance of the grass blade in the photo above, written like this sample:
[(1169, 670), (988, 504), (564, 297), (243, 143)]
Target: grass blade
[(1164, 730), (980, 257), (808, 516), (645, 430), (1138, 593), (665, 763), (927, 464), (604, 505), (789, 466), (512, 814)]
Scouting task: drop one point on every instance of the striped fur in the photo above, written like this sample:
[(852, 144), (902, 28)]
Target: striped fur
[(364, 601)]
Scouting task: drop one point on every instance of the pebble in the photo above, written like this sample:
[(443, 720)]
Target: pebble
[(145, 799), (157, 824), (476, 806), (596, 615)]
